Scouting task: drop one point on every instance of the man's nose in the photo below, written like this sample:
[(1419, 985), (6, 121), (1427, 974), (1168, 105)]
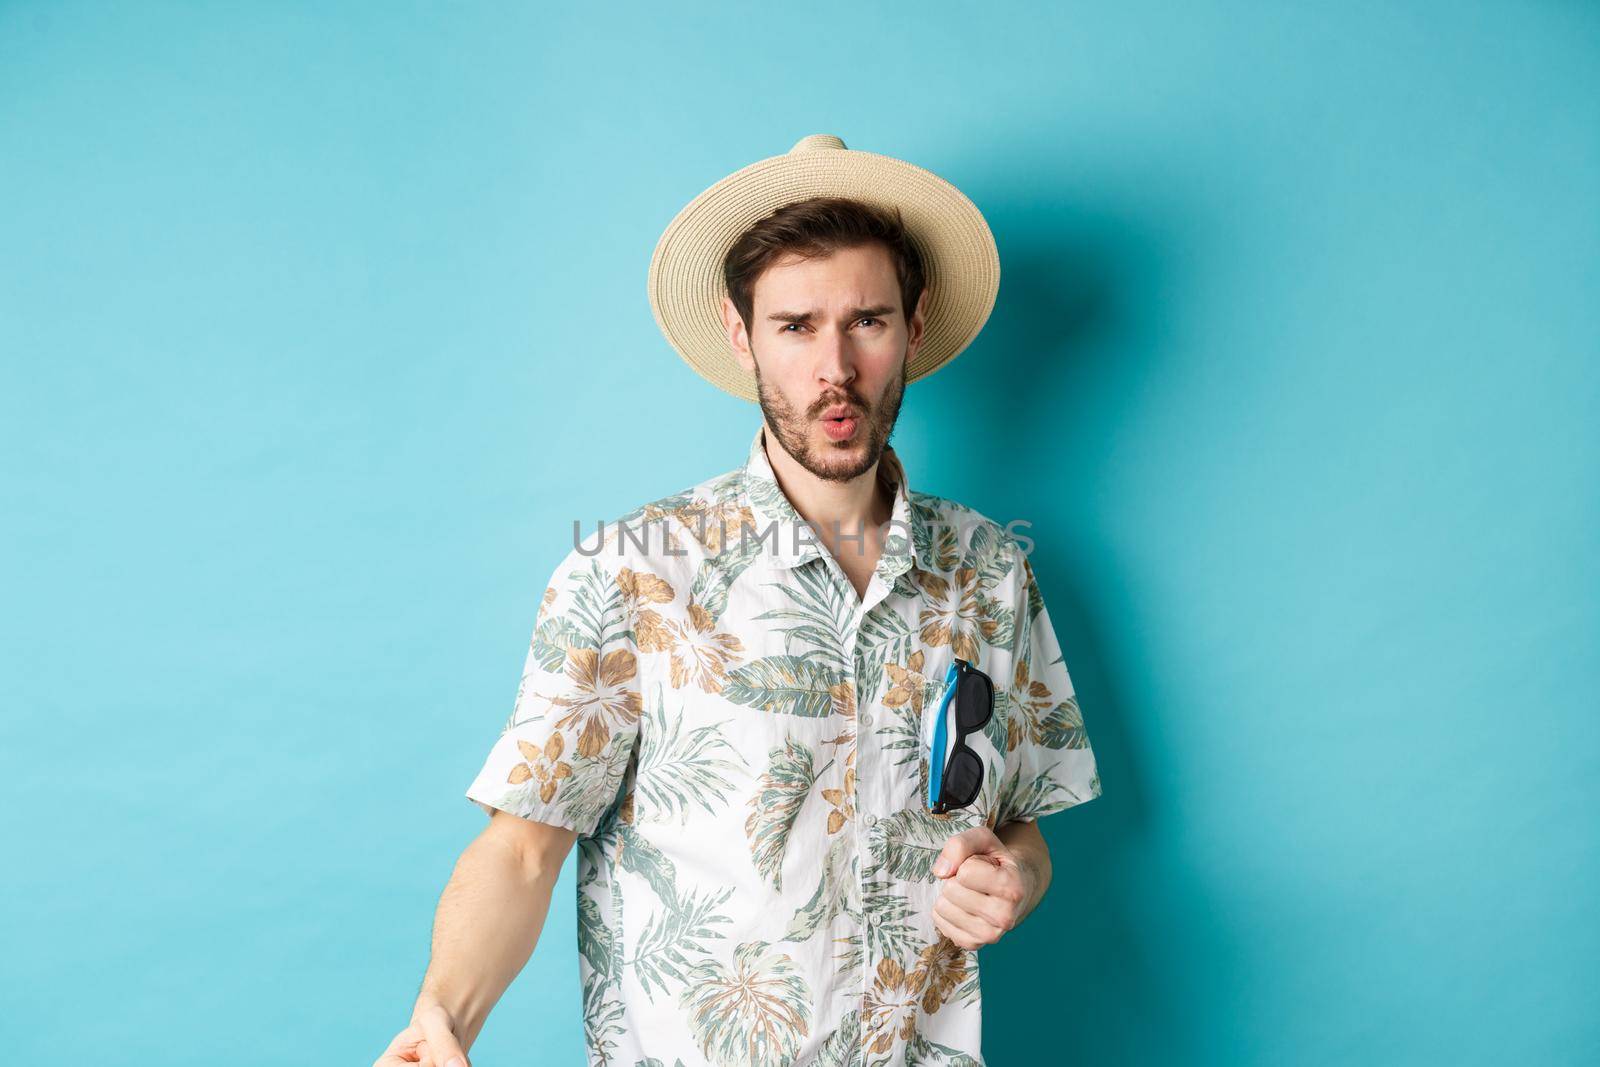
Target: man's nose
[(837, 364)]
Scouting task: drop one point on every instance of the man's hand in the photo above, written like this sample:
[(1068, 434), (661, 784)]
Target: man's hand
[(988, 888), (430, 1041)]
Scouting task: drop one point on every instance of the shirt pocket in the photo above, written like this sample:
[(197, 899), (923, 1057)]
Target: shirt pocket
[(982, 742)]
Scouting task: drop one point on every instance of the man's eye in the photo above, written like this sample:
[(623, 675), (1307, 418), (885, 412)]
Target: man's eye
[(868, 318)]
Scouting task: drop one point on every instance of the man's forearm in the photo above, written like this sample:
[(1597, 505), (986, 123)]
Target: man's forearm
[(1033, 856), (487, 923)]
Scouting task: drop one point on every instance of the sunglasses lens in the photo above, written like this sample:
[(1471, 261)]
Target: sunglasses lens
[(974, 701), (962, 778)]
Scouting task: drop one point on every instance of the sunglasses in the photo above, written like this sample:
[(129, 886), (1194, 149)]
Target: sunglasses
[(954, 779)]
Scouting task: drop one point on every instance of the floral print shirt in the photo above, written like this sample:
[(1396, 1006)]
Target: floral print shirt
[(736, 736)]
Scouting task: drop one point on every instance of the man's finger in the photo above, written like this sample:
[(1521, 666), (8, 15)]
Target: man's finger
[(402, 1050), (960, 939), (972, 926), (979, 839), (996, 911), (438, 1030), (992, 873), (454, 1059), (447, 1053)]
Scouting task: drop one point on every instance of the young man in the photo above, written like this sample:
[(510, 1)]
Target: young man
[(791, 843)]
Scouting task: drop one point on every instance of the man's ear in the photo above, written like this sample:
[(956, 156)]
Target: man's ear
[(738, 338), (916, 326)]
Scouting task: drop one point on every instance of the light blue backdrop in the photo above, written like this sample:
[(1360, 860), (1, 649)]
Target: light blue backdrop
[(320, 322)]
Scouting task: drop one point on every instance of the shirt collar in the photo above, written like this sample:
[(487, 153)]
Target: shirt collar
[(772, 510)]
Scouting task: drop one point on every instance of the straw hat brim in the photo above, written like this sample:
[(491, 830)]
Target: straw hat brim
[(960, 261)]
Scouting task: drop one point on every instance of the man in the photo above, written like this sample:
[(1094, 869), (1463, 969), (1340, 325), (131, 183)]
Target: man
[(790, 846)]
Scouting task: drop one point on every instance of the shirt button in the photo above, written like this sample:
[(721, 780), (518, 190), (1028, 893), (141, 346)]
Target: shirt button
[(869, 820), (866, 720)]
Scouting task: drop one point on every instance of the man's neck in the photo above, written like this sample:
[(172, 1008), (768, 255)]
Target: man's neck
[(863, 504)]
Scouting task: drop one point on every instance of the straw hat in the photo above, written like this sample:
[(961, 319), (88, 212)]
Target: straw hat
[(959, 257)]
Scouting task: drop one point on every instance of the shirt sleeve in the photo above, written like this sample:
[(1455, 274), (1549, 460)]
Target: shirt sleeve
[(562, 754), (1049, 764)]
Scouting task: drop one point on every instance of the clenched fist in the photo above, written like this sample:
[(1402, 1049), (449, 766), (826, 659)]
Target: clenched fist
[(987, 889)]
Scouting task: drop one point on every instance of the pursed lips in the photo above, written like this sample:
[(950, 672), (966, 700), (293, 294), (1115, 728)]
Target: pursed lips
[(843, 423)]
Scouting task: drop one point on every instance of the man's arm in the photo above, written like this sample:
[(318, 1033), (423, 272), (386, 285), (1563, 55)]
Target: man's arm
[(488, 920), (1027, 844), (551, 776)]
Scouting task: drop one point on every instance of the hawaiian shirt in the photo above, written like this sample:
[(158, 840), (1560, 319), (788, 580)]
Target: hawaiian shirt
[(736, 735)]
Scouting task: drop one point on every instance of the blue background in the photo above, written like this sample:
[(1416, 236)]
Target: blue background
[(321, 322)]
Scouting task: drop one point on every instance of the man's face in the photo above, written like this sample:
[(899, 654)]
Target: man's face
[(828, 337)]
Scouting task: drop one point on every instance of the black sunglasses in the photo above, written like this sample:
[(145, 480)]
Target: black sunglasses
[(955, 783)]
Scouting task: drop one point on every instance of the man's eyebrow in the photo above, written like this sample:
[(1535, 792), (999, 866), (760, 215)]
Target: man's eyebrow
[(854, 313)]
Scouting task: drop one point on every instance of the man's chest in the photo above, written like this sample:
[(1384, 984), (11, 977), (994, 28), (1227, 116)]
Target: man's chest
[(791, 677)]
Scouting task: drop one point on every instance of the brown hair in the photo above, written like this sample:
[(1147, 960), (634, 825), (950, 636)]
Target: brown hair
[(818, 227)]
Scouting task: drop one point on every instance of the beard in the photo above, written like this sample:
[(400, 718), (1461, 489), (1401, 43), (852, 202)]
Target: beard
[(798, 431)]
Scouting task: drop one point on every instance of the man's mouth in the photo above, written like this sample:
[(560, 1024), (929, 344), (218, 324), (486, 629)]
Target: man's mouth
[(840, 423)]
